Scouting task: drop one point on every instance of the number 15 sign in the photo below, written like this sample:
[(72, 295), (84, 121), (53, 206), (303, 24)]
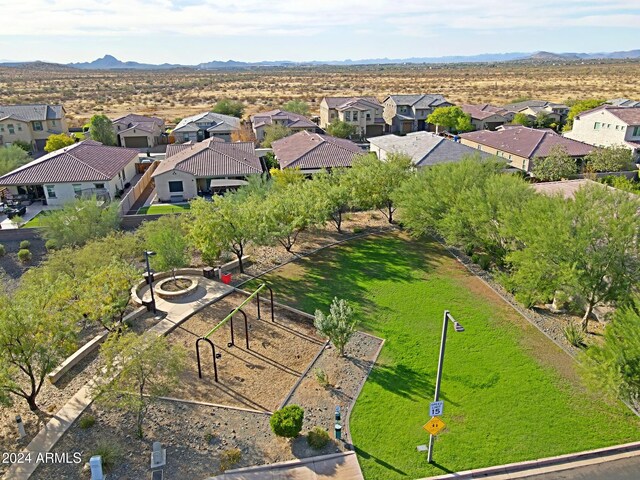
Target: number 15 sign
[(436, 408)]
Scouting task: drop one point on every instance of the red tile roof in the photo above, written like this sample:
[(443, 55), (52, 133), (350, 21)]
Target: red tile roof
[(314, 151), (87, 161), (292, 119), (212, 158), (480, 112), (527, 142)]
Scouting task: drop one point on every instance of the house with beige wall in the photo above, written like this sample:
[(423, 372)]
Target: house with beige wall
[(487, 117), (408, 113), (32, 124), (608, 126), (364, 113), (293, 121), (138, 131), (520, 146)]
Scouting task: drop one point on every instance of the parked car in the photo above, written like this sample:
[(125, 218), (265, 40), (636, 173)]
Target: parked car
[(16, 212)]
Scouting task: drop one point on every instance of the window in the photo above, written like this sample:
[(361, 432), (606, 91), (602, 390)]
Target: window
[(1, 128), (617, 127), (368, 115), (347, 116), (51, 191), (99, 186), (37, 126), (77, 189), (636, 131), (11, 128), (175, 186), (19, 127), (53, 122), (355, 116), (596, 126)]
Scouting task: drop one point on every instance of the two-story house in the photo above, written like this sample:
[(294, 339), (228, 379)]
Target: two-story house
[(138, 131), (408, 113), (557, 111), (205, 125), (487, 117), (31, 124), (364, 113), (606, 126), (293, 121)]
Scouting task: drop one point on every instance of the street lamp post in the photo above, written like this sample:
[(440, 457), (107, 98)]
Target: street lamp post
[(147, 254), (458, 328)]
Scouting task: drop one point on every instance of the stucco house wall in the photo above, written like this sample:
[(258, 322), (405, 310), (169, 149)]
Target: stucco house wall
[(189, 185)]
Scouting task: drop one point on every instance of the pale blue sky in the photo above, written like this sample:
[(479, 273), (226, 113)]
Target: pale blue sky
[(194, 31)]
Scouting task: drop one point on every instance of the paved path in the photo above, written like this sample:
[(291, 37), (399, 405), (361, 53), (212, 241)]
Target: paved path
[(340, 466), (176, 312), (623, 469)]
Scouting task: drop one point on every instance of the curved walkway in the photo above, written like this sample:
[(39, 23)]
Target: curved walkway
[(175, 312)]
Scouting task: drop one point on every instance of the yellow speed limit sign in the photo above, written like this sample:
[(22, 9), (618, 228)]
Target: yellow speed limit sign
[(434, 426)]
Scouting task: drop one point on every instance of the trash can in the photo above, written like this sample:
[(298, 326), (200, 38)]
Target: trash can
[(207, 272), (226, 278), (338, 428)]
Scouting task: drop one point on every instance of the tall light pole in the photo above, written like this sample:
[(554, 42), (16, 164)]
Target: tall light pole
[(147, 254), (443, 341)]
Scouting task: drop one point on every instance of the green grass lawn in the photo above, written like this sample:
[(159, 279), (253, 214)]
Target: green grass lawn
[(160, 209), (510, 394), (35, 221)]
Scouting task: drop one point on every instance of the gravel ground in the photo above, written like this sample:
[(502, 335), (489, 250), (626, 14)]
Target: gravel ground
[(11, 269)]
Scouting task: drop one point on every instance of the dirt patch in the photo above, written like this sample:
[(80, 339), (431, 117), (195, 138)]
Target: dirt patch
[(177, 285), (258, 377)]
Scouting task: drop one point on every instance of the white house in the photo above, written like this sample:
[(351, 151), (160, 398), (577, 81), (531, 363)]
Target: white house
[(80, 170), (205, 125)]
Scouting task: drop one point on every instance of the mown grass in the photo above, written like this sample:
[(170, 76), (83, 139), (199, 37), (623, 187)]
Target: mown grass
[(36, 222), (161, 209), (510, 394)]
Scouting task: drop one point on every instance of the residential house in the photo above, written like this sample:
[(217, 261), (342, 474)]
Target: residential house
[(364, 113), (311, 152), (424, 148), (556, 111), (205, 125), (606, 126), (80, 170), (31, 124), (520, 146), (138, 131), (293, 121), (208, 167), (487, 117), (623, 102), (408, 113)]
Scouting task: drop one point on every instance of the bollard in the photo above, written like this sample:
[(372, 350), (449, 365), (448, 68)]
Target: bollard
[(338, 428), (95, 463), (20, 427)]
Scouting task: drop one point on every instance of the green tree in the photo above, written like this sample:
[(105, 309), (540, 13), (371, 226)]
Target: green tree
[(105, 292), (229, 107), (555, 166), (274, 132), (578, 107), (56, 142), (451, 118), (287, 422), (101, 130), (167, 238), (592, 255), (331, 192), (296, 106), (80, 221), (36, 333), (139, 369), (609, 159), (339, 325), (341, 129), (544, 120), (287, 176), (26, 146), (374, 182), (11, 158), (614, 366), (522, 119)]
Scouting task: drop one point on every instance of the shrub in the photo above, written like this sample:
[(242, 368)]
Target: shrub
[(468, 249), (287, 422), (24, 256), (229, 458), (3, 250), (358, 230), (109, 451), (51, 244), (321, 377), (209, 437), (574, 335), (87, 421), (484, 261), (318, 438), (25, 245)]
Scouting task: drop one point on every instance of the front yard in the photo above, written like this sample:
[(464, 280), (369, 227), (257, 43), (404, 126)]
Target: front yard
[(510, 394)]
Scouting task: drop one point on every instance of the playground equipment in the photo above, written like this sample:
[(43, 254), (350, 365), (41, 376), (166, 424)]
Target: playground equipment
[(229, 318)]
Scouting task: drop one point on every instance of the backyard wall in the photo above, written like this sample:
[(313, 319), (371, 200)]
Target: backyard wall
[(132, 195)]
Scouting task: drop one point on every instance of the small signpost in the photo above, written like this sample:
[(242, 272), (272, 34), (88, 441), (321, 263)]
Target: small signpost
[(434, 426), (436, 408)]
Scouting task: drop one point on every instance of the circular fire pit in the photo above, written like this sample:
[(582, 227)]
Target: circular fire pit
[(175, 287)]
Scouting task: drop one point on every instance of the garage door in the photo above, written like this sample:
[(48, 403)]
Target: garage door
[(375, 130), (136, 142)]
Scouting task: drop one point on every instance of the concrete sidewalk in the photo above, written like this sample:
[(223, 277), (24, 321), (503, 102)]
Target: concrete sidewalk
[(338, 466), (175, 312)]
